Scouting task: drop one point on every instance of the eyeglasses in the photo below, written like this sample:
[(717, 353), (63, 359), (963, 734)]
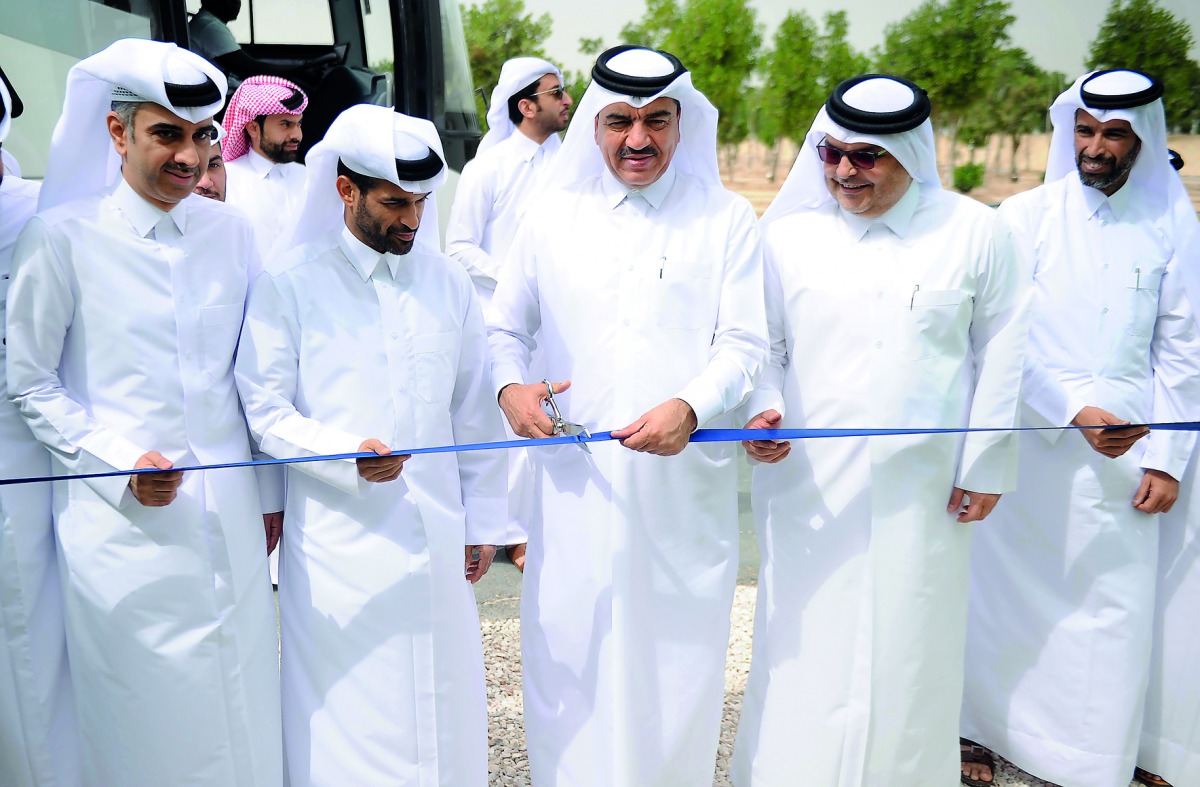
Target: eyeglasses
[(860, 159), (557, 92)]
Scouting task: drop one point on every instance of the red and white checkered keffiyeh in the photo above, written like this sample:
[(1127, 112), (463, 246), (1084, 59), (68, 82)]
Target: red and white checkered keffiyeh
[(260, 95)]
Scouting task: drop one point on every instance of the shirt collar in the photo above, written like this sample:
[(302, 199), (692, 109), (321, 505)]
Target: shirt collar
[(615, 192), (142, 215), (259, 164), (1095, 199), (898, 218), (363, 257)]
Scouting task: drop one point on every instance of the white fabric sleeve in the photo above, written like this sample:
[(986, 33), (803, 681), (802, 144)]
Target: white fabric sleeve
[(1175, 360), (473, 203), (999, 330), (515, 316), (475, 418), (739, 344), (41, 306), (768, 395), (266, 369)]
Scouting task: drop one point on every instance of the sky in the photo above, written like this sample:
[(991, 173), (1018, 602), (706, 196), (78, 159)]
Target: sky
[(1055, 33)]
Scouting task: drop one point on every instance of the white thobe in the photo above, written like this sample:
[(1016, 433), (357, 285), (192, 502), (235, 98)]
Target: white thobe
[(908, 321), (122, 324), (382, 658), (631, 566), (1170, 742), (1062, 583), (39, 742), (488, 205), (269, 193)]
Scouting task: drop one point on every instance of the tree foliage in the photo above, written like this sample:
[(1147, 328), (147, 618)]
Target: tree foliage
[(944, 46), (1142, 35), (838, 60), (499, 30)]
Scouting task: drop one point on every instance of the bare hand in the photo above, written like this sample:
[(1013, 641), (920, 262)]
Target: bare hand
[(478, 561), (273, 523), (1109, 442), (522, 406), (769, 451), (977, 506), (155, 489), (385, 467), (1157, 493), (663, 431)]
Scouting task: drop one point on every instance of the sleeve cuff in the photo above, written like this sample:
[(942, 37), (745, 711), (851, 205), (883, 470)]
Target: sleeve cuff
[(704, 399)]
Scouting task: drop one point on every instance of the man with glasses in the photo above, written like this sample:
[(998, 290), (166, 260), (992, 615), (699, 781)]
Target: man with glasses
[(529, 107), (640, 278), (887, 307)]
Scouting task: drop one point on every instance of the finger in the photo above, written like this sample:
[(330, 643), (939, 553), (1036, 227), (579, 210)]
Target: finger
[(956, 499), (631, 429), (560, 387), (1143, 492)]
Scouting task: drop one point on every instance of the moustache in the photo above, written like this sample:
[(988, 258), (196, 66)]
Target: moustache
[(627, 152), (403, 229), (1101, 159), (182, 170)]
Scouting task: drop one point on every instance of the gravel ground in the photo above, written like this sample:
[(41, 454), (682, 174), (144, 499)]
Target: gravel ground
[(507, 761)]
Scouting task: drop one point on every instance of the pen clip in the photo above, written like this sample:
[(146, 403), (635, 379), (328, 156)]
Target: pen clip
[(912, 301)]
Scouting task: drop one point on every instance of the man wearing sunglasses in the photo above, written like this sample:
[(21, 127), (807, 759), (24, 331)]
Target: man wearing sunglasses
[(887, 307), (529, 107), (1062, 605)]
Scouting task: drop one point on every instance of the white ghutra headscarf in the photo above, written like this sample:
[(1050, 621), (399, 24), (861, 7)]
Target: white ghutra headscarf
[(515, 74), (874, 109)]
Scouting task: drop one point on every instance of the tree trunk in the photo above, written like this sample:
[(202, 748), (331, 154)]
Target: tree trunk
[(951, 158), (1013, 174), (774, 160)]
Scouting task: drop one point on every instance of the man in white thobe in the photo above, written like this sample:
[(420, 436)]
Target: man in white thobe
[(366, 338), (123, 315), (641, 279), (39, 742), (1063, 582), (212, 185), (262, 143), (888, 308), (529, 107)]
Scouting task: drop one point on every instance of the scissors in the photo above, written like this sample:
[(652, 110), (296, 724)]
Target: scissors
[(562, 426)]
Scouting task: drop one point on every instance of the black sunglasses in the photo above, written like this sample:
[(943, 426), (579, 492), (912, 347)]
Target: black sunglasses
[(557, 92), (860, 159)]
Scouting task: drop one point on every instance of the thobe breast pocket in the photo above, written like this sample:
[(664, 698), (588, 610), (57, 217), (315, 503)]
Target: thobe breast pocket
[(682, 295), (222, 325), (932, 325), (1143, 293), (435, 365)]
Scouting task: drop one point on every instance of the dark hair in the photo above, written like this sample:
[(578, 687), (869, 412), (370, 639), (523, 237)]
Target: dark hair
[(364, 182), (514, 111)]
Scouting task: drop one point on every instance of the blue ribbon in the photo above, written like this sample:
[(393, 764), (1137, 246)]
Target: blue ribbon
[(699, 436)]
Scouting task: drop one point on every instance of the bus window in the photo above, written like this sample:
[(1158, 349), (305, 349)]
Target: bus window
[(279, 21), (460, 91), (40, 48)]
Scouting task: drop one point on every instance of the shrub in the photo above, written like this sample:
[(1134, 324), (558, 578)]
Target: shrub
[(967, 177)]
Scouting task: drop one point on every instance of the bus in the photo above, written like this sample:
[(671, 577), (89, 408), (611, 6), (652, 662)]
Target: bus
[(409, 54)]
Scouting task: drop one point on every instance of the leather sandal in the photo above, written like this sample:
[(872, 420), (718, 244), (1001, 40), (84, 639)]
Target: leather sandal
[(1149, 779), (980, 756)]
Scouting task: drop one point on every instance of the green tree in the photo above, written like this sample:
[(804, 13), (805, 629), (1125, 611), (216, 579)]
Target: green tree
[(1142, 35), (1020, 101), (792, 90), (652, 29), (497, 31), (945, 47), (838, 60)]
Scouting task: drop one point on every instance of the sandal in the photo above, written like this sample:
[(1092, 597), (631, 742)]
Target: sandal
[(979, 755), (1149, 779)]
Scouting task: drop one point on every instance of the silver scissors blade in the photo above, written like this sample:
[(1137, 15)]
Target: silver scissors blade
[(562, 426)]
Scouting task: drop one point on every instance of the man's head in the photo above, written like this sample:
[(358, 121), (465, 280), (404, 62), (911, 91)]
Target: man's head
[(225, 10), (379, 213), (1105, 152), (638, 143), (276, 137), (212, 184), (863, 177), (264, 115), (163, 155), (372, 173), (541, 108)]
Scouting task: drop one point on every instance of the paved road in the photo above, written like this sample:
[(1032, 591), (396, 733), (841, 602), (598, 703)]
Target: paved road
[(499, 592)]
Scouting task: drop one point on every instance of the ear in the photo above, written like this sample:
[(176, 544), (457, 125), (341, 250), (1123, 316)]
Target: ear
[(596, 129), (347, 190), (527, 108), (253, 132), (121, 136)]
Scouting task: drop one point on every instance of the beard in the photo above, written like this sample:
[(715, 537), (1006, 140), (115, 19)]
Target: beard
[(378, 237), (1103, 180), (275, 151)]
